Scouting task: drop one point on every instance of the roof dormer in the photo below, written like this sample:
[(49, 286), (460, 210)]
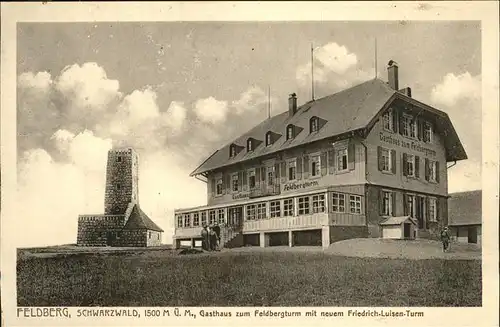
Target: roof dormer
[(252, 144), (292, 131), (234, 149), (271, 137), (315, 124)]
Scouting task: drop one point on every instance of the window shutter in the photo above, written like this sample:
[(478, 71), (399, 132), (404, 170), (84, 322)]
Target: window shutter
[(380, 159), (324, 156), (438, 210), (437, 171), (212, 185), (427, 213), (405, 204), (257, 176), (350, 155), (400, 124), (393, 207), (283, 172), (244, 181), (306, 167), (263, 174), (426, 169), (227, 181), (381, 202), (240, 180), (405, 168), (331, 161), (299, 168), (393, 161), (395, 121), (276, 173), (420, 129), (417, 166)]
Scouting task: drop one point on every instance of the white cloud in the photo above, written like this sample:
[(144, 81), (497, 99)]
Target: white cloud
[(140, 106), (249, 100), (211, 110), (87, 86), (455, 88), (175, 116), (41, 81), (335, 58)]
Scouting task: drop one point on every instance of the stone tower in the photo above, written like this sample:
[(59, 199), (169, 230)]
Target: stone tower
[(122, 179)]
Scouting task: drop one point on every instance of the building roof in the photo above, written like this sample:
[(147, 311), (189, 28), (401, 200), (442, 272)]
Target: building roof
[(137, 219), (397, 220), (348, 111), (464, 208)]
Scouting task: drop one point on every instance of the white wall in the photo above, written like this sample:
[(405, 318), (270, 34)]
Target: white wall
[(392, 232)]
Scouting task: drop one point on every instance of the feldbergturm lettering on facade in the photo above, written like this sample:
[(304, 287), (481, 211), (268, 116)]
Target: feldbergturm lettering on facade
[(123, 222), (369, 161)]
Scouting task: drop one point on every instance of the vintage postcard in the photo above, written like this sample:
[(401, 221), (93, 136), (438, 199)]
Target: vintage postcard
[(249, 163)]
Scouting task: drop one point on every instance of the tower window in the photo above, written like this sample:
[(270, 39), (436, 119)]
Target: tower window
[(118, 186), (119, 159)]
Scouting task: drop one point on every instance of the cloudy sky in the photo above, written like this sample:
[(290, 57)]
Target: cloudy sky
[(178, 91)]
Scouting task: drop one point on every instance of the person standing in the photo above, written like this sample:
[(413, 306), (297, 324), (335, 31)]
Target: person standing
[(205, 240), (445, 238), (217, 234), (213, 239)]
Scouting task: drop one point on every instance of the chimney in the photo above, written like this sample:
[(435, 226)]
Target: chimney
[(392, 72), (292, 104)]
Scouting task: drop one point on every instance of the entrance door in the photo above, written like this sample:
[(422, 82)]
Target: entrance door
[(472, 235), (110, 238), (419, 211), (406, 230)]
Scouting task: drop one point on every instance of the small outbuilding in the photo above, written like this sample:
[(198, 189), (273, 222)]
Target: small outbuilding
[(465, 216), (401, 228)]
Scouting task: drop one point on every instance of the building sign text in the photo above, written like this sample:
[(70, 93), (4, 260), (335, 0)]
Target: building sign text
[(297, 186), (406, 144)]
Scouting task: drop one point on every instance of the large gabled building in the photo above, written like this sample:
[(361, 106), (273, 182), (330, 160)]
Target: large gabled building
[(343, 166)]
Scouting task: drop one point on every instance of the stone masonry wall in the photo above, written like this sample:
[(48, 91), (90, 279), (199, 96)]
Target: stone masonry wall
[(138, 238), (98, 230), (122, 178)]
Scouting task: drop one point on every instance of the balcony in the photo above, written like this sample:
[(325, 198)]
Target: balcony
[(265, 190)]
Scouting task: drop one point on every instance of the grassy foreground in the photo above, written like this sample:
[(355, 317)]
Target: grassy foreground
[(163, 278)]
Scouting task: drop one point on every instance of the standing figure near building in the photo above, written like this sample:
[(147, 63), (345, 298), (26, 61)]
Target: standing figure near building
[(205, 240), (213, 238), (216, 229), (445, 239)]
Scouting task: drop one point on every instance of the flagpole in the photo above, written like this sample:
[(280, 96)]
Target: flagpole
[(376, 69), (312, 71)]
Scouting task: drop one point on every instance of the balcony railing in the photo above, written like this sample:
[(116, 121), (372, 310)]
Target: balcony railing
[(265, 190)]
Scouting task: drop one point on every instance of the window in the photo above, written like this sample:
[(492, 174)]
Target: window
[(118, 234), (118, 186), (388, 121), (316, 166), (432, 171), (288, 207), (338, 202), (304, 205), (220, 215), (318, 202), (386, 160), (232, 152), (249, 145), (251, 212), (118, 159), (314, 125), (149, 235), (270, 175), (196, 219), (179, 220), (355, 203), (204, 218), (187, 220), (409, 126), (292, 165), (219, 186), (410, 165), (427, 137), (387, 203), (235, 182), (268, 139), (235, 216), (275, 209), (289, 132), (212, 217), (432, 210), (410, 207), (342, 160), (261, 210), (251, 178)]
